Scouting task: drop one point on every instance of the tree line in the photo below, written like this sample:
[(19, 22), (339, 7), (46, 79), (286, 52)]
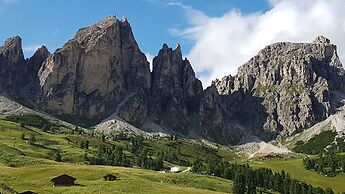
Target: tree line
[(327, 164), (247, 180)]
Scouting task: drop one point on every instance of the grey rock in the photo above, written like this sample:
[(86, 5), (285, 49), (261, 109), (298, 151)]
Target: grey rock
[(87, 78), (175, 90), (285, 88), (12, 65)]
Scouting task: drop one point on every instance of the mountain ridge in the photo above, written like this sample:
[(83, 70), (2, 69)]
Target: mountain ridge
[(284, 89)]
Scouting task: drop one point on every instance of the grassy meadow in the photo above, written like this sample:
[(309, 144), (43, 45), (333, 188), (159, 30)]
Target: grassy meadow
[(296, 170), (89, 179)]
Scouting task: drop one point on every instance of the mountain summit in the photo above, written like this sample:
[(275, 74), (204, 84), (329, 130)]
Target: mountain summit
[(91, 74)]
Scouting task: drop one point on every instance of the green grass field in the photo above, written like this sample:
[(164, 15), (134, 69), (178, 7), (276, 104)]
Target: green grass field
[(36, 178), (297, 171)]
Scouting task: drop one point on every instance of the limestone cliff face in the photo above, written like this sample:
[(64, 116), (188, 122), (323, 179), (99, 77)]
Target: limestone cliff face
[(175, 90), (30, 87), (12, 65), (286, 88), (94, 72)]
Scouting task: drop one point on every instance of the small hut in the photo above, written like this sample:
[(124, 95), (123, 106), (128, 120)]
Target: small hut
[(110, 177), (63, 180)]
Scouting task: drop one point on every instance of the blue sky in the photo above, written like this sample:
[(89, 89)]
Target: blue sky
[(217, 36), (53, 22)]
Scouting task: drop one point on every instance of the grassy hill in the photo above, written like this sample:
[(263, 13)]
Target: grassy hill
[(36, 178), (27, 165), (17, 150)]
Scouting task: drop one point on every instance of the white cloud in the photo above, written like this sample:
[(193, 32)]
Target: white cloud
[(149, 58), (222, 44)]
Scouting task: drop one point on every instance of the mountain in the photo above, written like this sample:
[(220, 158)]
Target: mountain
[(101, 77), (87, 78), (286, 88), (18, 75)]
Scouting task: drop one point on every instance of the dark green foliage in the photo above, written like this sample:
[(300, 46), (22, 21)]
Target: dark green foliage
[(239, 183), (45, 128), (328, 164), (153, 163), (32, 139), (22, 136), (31, 120), (247, 180), (299, 142), (340, 146), (329, 191), (112, 156), (317, 144), (57, 156), (84, 144), (87, 143), (198, 166)]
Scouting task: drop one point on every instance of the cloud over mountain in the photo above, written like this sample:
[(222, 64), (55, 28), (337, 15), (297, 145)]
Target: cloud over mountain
[(222, 44)]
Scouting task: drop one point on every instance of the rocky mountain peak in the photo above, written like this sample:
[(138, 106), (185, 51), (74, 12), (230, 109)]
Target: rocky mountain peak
[(289, 86), (106, 22), (124, 20), (94, 71), (321, 40), (13, 42), (175, 89), (12, 50), (42, 52)]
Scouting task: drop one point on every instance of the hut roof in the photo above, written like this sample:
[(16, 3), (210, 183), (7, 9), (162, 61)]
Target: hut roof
[(110, 175), (63, 177)]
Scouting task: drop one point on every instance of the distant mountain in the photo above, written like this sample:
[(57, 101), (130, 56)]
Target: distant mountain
[(101, 75)]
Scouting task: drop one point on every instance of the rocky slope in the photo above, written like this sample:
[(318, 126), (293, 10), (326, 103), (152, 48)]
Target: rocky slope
[(286, 88)]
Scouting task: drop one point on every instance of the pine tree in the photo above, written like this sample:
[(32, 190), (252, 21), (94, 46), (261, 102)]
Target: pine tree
[(87, 144), (239, 183), (250, 182)]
